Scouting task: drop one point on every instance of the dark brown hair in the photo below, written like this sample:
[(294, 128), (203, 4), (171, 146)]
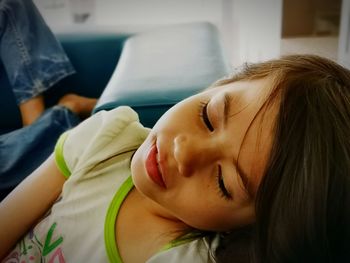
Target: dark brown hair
[(303, 201)]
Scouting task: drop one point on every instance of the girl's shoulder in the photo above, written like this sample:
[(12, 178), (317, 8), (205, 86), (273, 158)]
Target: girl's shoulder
[(196, 249), (104, 134)]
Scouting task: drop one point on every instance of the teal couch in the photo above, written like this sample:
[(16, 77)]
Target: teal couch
[(94, 56), (149, 71)]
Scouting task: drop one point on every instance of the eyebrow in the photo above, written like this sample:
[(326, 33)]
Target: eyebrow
[(244, 177), (227, 106)]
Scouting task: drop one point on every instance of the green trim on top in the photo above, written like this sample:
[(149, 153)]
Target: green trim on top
[(59, 157), (181, 240), (111, 218), (112, 213)]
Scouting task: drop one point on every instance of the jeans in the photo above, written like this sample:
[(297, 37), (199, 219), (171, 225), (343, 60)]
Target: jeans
[(33, 59), (23, 150)]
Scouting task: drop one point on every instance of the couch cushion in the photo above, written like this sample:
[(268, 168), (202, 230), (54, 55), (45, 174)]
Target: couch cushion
[(94, 56), (158, 68)]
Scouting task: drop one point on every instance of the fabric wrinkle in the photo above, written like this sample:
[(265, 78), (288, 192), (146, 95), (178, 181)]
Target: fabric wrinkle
[(33, 58)]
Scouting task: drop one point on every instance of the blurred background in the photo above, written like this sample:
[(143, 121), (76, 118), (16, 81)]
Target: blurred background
[(251, 30)]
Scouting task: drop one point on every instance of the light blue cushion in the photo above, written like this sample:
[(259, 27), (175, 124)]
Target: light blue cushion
[(161, 67)]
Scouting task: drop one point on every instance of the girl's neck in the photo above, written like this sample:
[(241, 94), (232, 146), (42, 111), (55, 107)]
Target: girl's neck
[(143, 228)]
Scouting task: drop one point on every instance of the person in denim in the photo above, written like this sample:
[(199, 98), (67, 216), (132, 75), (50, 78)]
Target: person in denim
[(34, 62), (32, 57)]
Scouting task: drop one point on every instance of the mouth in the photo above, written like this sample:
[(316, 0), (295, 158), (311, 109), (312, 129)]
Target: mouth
[(152, 167)]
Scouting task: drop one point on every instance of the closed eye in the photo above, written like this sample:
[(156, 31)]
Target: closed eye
[(204, 115), (221, 185)]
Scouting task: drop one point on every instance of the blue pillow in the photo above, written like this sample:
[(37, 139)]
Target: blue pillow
[(161, 67)]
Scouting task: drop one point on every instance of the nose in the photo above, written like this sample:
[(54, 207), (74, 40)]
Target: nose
[(192, 152)]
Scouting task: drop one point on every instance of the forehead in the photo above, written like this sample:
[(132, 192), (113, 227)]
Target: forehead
[(248, 88), (252, 120)]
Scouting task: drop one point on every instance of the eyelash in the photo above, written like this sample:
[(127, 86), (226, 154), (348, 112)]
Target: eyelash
[(221, 186), (204, 115), (220, 182)]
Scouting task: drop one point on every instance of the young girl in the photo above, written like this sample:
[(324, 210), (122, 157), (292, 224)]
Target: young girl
[(254, 169)]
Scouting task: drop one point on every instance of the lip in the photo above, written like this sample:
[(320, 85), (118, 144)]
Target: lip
[(152, 167)]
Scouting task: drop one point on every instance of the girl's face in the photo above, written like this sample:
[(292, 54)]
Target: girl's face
[(203, 160)]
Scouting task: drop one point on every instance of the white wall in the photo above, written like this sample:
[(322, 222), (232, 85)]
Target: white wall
[(254, 29), (250, 29), (131, 14), (154, 12)]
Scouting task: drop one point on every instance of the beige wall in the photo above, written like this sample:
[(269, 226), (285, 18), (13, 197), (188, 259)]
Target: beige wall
[(310, 17)]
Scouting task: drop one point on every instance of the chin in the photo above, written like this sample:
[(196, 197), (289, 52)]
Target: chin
[(136, 168)]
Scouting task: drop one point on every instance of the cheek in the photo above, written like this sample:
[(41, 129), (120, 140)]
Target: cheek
[(136, 167), (171, 119), (138, 172), (203, 209), (214, 218)]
